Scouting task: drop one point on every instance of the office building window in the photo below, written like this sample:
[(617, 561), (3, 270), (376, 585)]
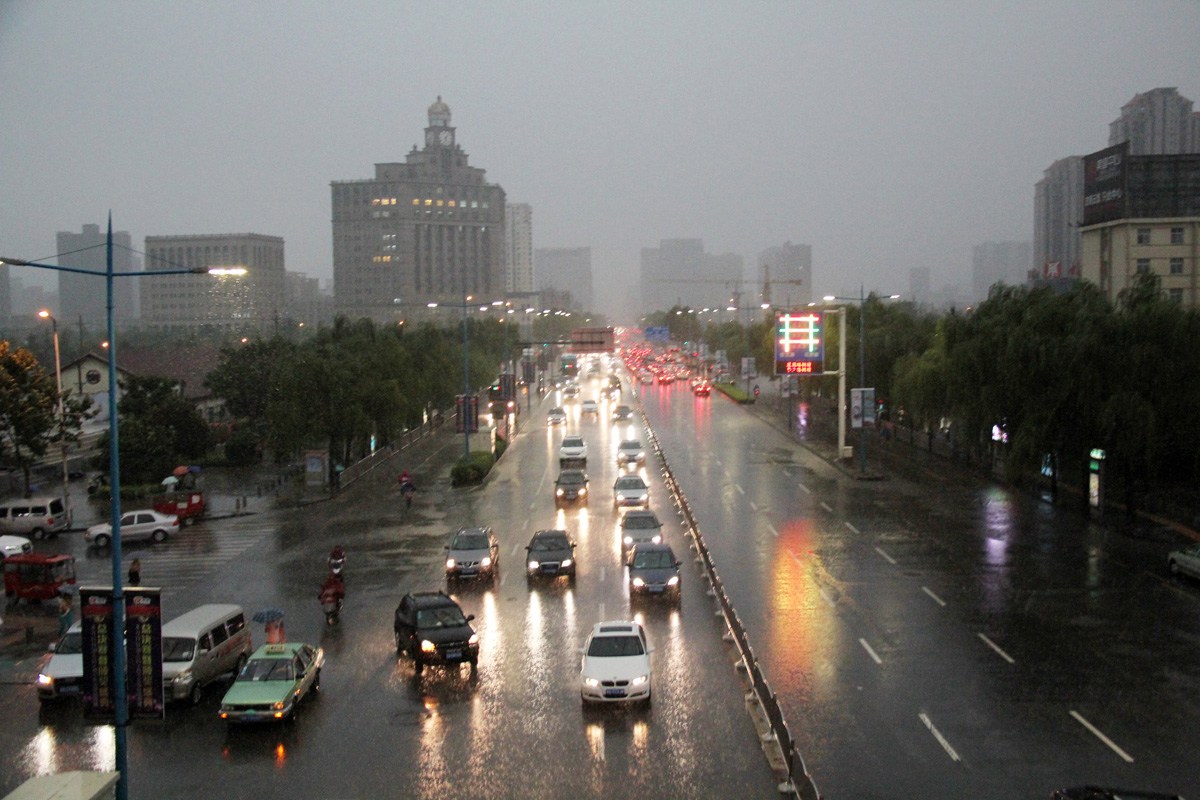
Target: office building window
[(1175, 296), (1143, 236), (1143, 266), (1176, 266), (1176, 235)]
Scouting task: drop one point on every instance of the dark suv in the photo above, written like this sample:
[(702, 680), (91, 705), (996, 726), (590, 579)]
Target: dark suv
[(431, 628), (550, 553)]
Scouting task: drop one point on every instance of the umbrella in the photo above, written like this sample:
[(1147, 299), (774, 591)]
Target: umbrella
[(170, 480), (180, 471), (268, 615)]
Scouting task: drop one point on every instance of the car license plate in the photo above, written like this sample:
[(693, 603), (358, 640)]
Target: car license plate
[(656, 589), (468, 573), (454, 655), (614, 692)]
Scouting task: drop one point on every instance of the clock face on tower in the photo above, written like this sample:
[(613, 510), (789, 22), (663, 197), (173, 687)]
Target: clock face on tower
[(430, 137), (445, 137)]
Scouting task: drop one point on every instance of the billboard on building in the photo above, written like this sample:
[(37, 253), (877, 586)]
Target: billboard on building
[(1104, 184), (592, 340)]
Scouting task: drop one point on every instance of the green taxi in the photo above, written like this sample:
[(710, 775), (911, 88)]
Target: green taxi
[(273, 682)]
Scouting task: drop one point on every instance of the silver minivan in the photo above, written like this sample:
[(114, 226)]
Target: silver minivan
[(201, 646), (35, 517)]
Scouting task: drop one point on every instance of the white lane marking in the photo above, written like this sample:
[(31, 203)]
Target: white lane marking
[(1096, 732), (739, 488), (826, 506), (996, 647), (503, 576), (936, 599), (803, 488), (603, 570), (753, 506), (890, 560), (771, 528), (852, 528), (602, 612), (787, 472), (516, 547), (825, 596), (795, 558), (937, 735), (870, 652)]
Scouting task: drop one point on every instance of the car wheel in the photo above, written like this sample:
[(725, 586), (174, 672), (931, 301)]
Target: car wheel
[(648, 700), (101, 541), (418, 666), (159, 535), (197, 693), (38, 533)]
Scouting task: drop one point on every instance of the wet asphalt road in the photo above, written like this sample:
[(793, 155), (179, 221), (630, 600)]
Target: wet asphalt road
[(515, 729), (934, 635)]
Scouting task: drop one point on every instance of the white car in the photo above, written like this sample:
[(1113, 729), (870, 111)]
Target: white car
[(590, 407), (573, 448), (630, 451), (142, 524), (1185, 561), (616, 664), (631, 490), (62, 674), (556, 416), (14, 546)]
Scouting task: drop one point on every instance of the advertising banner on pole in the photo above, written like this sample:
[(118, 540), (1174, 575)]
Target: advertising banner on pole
[(862, 408), (143, 650), (99, 678)]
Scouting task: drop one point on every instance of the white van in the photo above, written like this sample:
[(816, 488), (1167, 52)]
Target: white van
[(35, 517), (200, 646)]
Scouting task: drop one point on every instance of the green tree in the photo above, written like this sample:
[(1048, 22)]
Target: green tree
[(28, 399), (159, 429)]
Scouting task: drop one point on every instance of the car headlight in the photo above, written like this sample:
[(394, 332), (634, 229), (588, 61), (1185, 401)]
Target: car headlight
[(628, 540), (639, 680), (591, 683), (183, 677), (638, 582), (582, 491), (486, 561), (674, 581), (44, 680), (428, 646), (534, 565), (657, 539), (449, 563), (566, 562), (474, 639), (558, 492), (278, 706)]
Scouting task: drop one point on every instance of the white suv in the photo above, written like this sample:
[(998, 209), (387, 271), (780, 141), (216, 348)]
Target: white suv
[(573, 448)]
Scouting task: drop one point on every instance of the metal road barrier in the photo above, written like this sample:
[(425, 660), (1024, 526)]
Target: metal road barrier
[(381, 457), (800, 782)]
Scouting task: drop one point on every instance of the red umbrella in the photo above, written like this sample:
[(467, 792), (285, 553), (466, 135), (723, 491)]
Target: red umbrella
[(180, 471)]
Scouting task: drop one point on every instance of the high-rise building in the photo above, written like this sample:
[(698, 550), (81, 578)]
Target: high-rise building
[(679, 272), (430, 229), (786, 274), (920, 285), (83, 297), (1057, 214), (566, 269), (1157, 122), (518, 248), (999, 262), (255, 300)]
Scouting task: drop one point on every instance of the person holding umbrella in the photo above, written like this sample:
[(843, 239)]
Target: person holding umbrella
[(272, 620)]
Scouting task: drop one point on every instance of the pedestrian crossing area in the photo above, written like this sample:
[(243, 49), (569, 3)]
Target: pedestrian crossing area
[(192, 555)]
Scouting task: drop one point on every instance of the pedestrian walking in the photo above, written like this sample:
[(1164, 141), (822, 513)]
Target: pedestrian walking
[(65, 612), (135, 573)]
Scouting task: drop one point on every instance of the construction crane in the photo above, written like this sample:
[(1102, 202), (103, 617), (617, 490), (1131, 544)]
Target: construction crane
[(766, 288), (734, 286)]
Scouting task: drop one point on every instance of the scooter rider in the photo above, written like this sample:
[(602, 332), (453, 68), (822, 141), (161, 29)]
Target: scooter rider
[(333, 591), (337, 560)]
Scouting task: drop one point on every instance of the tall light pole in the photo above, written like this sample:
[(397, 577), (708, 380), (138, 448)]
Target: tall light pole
[(862, 364), (62, 416), (120, 701)]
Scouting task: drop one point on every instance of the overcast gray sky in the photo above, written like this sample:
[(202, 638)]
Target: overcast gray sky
[(888, 135)]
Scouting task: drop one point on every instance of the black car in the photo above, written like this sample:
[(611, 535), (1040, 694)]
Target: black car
[(431, 628), (570, 487), (1101, 793), (653, 569), (550, 553)]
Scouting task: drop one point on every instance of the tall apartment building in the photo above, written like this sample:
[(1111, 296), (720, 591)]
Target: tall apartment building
[(1057, 214), (83, 297), (999, 262), (786, 275), (566, 269), (255, 300), (518, 248), (679, 272), (430, 229), (1157, 122)]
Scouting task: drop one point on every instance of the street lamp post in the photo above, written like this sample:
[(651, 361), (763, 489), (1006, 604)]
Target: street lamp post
[(120, 701), (862, 366), (62, 417)]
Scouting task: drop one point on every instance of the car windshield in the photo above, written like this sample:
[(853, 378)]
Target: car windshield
[(470, 541), (548, 543), (572, 441), (268, 669), (615, 646), (655, 559), (631, 482), (71, 644), (638, 521), (178, 648), (440, 617), (631, 445)]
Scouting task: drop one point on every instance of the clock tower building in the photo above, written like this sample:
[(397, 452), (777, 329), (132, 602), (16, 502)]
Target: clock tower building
[(428, 230)]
